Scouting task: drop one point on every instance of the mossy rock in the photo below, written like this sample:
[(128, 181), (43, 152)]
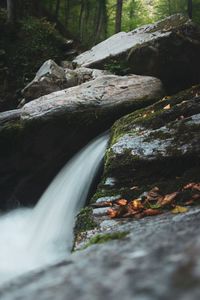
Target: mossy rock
[(155, 146)]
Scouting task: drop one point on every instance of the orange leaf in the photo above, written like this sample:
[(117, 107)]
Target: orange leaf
[(121, 202), (112, 213), (192, 186), (152, 212), (167, 199)]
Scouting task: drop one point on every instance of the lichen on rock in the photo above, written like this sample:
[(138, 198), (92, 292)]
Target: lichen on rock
[(155, 146)]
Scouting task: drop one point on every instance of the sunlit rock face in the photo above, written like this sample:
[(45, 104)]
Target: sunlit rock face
[(156, 146), (38, 140), (168, 49)]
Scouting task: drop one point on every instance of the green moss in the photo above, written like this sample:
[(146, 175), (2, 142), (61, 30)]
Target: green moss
[(104, 238), (85, 221), (154, 116), (117, 66)]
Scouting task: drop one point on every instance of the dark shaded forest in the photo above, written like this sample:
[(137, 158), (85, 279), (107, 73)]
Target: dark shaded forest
[(34, 31)]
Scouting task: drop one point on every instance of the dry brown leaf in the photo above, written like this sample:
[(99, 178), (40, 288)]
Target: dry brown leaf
[(196, 197), (152, 212), (113, 213), (121, 202), (167, 199), (189, 202), (192, 186), (179, 209)]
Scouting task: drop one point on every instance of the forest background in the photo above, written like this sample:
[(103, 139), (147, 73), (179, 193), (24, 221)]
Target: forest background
[(33, 31)]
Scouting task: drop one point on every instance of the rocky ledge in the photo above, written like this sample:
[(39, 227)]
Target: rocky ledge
[(36, 141), (168, 49), (154, 258)]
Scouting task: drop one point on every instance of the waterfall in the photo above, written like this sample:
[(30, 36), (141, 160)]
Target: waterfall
[(34, 238)]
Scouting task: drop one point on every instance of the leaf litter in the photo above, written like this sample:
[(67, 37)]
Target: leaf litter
[(153, 203)]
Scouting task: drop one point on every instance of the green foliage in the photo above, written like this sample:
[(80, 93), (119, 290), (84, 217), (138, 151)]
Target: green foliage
[(117, 67), (107, 237), (33, 42)]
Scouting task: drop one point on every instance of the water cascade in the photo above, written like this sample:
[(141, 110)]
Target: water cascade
[(34, 238)]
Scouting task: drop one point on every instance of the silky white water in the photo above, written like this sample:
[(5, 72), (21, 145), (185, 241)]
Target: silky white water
[(34, 238)]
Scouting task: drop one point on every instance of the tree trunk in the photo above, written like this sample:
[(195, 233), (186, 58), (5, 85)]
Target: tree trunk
[(11, 11), (101, 21), (190, 9), (118, 19), (81, 20), (57, 9)]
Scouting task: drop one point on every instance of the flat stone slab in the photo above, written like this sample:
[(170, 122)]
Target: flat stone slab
[(168, 49), (107, 92)]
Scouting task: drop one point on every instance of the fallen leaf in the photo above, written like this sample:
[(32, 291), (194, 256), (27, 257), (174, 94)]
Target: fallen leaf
[(192, 186), (121, 202), (136, 204), (152, 212), (189, 202), (196, 197), (117, 213), (112, 213), (167, 107), (167, 199), (179, 209)]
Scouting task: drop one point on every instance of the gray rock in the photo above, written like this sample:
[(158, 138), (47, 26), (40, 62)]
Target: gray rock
[(159, 259), (158, 146), (143, 51), (51, 77), (54, 127), (107, 93), (10, 115)]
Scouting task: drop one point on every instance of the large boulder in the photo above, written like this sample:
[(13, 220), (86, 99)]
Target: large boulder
[(52, 128), (51, 77), (168, 49), (158, 146), (110, 94)]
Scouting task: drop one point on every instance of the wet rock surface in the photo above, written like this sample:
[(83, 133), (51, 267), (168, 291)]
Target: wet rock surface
[(54, 127), (157, 146), (158, 259), (167, 49)]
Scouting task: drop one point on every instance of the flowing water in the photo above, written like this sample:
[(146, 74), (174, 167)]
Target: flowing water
[(34, 238)]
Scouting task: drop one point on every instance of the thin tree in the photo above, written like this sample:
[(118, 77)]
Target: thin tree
[(57, 9), (190, 9), (118, 19), (11, 11)]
